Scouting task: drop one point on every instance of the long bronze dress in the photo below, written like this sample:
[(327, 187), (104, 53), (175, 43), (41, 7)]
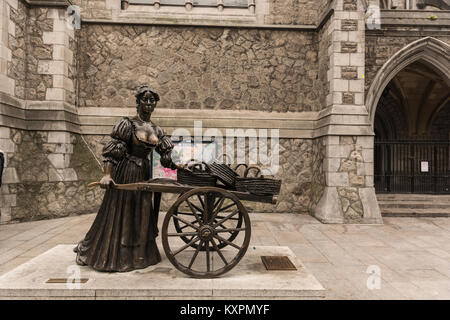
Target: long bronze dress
[(122, 237)]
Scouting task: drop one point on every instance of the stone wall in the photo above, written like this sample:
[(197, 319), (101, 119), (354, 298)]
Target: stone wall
[(46, 176), (357, 173), (94, 8), (224, 68), (199, 68), (38, 82), (9, 65), (42, 50), (293, 12), (17, 43), (381, 46), (7, 199), (279, 12), (296, 161), (324, 43), (57, 69), (348, 196)]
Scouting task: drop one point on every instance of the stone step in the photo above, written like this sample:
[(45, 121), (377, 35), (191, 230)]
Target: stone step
[(414, 197), (408, 212), (414, 204)]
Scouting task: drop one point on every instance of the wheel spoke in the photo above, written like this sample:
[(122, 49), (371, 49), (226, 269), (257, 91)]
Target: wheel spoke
[(216, 211), (215, 204), (232, 230), (185, 213), (185, 222), (227, 242), (201, 201), (220, 242), (226, 207), (219, 252), (223, 227), (182, 234), (220, 217), (191, 204), (195, 254), (226, 218), (186, 246), (186, 226), (193, 211), (208, 267)]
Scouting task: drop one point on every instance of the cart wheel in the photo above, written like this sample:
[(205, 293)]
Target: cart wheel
[(198, 204), (196, 246)]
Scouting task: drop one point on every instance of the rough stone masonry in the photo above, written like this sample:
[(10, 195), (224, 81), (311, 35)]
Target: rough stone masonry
[(303, 67)]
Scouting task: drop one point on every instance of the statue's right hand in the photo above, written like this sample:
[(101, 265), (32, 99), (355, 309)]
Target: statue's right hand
[(106, 182), (184, 167)]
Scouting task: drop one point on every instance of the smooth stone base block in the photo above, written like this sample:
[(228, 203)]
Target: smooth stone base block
[(248, 279), (329, 209)]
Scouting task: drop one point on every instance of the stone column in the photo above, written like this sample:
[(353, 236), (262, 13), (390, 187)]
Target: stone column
[(344, 126), (61, 146), (7, 88), (7, 198), (43, 63), (61, 94), (7, 28), (62, 89)]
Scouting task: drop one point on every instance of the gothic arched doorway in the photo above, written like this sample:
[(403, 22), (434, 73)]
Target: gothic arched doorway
[(412, 113), (412, 132)]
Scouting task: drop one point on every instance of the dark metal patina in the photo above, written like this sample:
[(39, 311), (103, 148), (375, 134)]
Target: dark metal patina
[(198, 227), (122, 237)]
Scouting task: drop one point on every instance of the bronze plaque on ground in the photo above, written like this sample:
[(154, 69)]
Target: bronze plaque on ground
[(277, 263), (65, 280)]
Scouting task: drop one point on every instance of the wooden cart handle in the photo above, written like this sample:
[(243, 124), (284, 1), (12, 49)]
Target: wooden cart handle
[(97, 183), (93, 184)]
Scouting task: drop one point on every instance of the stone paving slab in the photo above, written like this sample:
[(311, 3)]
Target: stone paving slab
[(413, 254), (249, 279)]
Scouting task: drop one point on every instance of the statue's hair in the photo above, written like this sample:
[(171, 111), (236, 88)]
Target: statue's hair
[(143, 89)]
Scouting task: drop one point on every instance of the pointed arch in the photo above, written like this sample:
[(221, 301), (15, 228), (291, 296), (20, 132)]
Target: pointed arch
[(429, 50)]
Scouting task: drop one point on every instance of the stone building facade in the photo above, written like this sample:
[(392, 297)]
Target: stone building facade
[(314, 70)]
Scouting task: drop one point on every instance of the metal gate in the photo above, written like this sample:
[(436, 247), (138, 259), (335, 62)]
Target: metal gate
[(412, 167)]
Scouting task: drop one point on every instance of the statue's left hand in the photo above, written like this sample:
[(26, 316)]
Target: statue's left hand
[(107, 182)]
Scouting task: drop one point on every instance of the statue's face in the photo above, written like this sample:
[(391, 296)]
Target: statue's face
[(147, 104)]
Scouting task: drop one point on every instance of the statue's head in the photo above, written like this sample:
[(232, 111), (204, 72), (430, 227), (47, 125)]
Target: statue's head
[(146, 100)]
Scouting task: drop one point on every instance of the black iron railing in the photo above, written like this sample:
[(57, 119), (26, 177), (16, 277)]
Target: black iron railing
[(412, 167)]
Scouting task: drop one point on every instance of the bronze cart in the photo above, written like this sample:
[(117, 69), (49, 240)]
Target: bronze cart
[(204, 221)]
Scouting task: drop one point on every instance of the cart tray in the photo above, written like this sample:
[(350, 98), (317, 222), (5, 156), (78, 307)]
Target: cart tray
[(172, 186)]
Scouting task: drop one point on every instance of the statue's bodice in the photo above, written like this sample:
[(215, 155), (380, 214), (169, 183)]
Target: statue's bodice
[(144, 138)]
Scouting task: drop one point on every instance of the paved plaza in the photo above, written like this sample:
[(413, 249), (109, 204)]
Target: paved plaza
[(412, 254)]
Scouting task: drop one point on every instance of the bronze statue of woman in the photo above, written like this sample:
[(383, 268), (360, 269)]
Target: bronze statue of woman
[(123, 235)]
